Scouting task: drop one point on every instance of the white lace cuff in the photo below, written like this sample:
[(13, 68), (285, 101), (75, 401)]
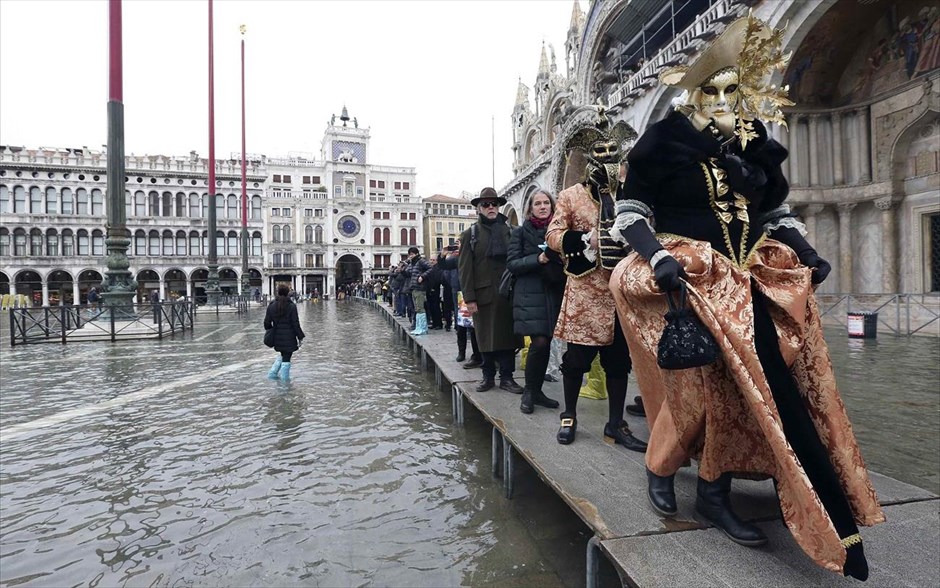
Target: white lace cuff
[(588, 253), (787, 222), (623, 221), (658, 256)]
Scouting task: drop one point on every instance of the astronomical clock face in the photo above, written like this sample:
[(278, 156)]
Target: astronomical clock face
[(348, 226)]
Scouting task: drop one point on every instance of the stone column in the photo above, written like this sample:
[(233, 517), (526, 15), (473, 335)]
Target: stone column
[(813, 150), (809, 214), (783, 137), (838, 173), (162, 289), (75, 294), (238, 284), (889, 245), (794, 145), (864, 135), (189, 289), (45, 292), (845, 246)]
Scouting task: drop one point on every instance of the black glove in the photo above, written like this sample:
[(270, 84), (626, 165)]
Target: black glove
[(667, 273), (804, 252), (597, 175), (744, 178)]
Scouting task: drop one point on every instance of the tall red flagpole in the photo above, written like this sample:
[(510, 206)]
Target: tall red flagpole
[(245, 278), (212, 281)]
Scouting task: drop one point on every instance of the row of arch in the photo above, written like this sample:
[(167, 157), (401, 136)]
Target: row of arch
[(66, 243), (35, 200), (59, 286)]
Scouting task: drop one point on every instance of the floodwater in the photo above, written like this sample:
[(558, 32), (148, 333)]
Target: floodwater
[(177, 463)]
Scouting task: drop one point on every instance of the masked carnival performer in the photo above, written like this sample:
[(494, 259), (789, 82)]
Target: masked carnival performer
[(711, 178), (579, 232)]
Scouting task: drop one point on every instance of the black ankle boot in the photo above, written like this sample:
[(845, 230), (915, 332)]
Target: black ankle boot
[(662, 494), (856, 565), (461, 355), (569, 426), (713, 502), (526, 405), (539, 398), (622, 435)]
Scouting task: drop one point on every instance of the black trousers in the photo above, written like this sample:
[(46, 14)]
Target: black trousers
[(464, 333), (506, 358), (798, 426), (536, 363), (447, 304), (433, 305), (615, 359)]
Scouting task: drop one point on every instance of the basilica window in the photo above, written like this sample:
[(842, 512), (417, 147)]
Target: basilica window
[(256, 207), (97, 202), (232, 243), (219, 243), (404, 237), (232, 206), (4, 242), (195, 243), (166, 204), (140, 204), (276, 234), (83, 242), (318, 234), (52, 242), (276, 260), (386, 236), (52, 201), (153, 200), (308, 260), (35, 242), (194, 206), (153, 243), (19, 199), (180, 243), (287, 236), (35, 200), (256, 244), (180, 204), (4, 200), (308, 234), (97, 242), (19, 242), (319, 259), (219, 206), (68, 243), (275, 212), (167, 243), (413, 237), (81, 201), (128, 204), (140, 243)]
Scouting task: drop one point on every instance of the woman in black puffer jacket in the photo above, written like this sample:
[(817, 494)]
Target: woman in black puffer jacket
[(282, 317), (537, 294)]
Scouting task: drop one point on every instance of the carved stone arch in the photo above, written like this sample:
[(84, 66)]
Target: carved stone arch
[(600, 17), (567, 171), (531, 141), (660, 104), (895, 131), (928, 122), (555, 106)]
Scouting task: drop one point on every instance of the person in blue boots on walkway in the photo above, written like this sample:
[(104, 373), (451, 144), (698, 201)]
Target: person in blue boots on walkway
[(418, 269), (282, 317)]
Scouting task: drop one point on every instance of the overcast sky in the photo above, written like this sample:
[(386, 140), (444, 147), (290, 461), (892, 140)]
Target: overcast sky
[(426, 77)]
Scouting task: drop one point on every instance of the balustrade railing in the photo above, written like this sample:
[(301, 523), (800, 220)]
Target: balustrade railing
[(903, 315)]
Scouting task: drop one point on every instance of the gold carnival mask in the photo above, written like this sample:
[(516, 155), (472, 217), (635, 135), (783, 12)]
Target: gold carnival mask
[(719, 96)]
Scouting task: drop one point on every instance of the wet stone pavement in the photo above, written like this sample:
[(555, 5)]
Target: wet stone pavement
[(176, 462)]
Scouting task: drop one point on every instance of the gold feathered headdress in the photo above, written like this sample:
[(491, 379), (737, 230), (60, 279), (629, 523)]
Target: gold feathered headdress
[(755, 49)]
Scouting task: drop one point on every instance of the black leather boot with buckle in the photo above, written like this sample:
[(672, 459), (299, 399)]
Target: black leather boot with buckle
[(622, 435), (713, 502), (662, 493), (569, 426)]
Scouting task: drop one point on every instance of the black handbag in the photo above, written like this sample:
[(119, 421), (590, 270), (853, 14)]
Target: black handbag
[(507, 283), (269, 336), (685, 342)]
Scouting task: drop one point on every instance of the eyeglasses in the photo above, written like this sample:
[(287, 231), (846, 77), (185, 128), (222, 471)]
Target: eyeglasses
[(489, 204)]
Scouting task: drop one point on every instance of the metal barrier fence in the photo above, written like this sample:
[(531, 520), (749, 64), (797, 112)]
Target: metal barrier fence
[(901, 314), (62, 324), (242, 303)]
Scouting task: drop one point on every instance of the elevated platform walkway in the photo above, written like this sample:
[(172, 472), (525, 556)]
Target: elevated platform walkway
[(606, 486)]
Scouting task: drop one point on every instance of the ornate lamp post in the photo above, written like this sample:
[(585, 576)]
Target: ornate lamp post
[(246, 282), (212, 281), (119, 288)]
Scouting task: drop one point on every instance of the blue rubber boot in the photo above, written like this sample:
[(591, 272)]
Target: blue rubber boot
[(285, 371), (272, 373), (421, 324)]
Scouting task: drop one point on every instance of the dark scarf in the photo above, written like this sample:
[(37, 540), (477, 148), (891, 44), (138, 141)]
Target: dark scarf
[(540, 223), (498, 247)]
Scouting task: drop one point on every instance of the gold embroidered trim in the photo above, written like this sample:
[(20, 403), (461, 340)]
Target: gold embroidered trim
[(747, 260), (721, 210), (851, 540)]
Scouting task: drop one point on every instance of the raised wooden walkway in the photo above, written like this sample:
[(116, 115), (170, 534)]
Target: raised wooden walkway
[(606, 486)]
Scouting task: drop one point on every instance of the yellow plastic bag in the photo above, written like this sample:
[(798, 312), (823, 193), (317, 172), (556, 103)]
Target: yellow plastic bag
[(524, 353), (596, 386)]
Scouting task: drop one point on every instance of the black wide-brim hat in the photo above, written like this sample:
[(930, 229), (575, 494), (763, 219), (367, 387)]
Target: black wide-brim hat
[(488, 194)]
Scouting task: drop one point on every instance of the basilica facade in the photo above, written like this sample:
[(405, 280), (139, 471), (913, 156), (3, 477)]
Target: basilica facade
[(864, 136)]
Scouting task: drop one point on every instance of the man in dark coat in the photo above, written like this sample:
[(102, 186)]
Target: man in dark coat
[(418, 269), (481, 266), (435, 278)]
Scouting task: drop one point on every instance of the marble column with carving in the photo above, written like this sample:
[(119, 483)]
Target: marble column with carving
[(814, 150), (809, 214), (838, 172), (845, 246), (794, 145), (864, 135), (783, 137), (889, 245), (45, 292), (76, 295)]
